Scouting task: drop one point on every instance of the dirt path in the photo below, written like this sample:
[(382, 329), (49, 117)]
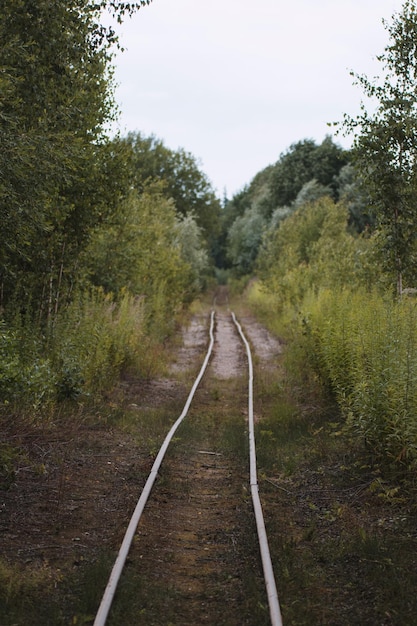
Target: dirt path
[(193, 542), (228, 359), (343, 537), (64, 514)]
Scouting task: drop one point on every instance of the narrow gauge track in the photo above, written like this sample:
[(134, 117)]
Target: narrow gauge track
[(270, 585)]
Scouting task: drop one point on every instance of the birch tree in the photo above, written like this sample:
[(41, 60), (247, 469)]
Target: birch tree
[(385, 146)]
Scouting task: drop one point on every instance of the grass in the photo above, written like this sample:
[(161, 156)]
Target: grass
[(212, 436), (342, 534)]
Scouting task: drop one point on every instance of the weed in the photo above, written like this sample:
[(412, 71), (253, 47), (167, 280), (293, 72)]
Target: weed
[(24, 595), (9, 456), (341, 554)]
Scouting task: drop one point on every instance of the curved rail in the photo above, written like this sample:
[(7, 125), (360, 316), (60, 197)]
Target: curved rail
[(274, 608), (110, 590), (271, 589)]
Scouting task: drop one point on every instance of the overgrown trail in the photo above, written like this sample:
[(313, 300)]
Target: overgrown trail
[(196, 553), (342, 537)]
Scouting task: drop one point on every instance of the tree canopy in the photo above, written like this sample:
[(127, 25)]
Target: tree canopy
[(305, 172), (183, 180), (385, 145), (56, 97), (305, 161)]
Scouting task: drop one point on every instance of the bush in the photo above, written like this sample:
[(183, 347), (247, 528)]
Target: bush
[(362, 347), (26, 377), (366, 347), (95, 340)]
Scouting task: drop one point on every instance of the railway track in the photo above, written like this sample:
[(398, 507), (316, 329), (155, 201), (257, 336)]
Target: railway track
[(203, 491)]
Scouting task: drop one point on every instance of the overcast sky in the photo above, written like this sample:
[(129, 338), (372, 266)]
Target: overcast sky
[(236, 82)]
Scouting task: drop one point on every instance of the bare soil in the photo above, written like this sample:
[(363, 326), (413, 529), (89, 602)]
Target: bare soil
[(192, 539)]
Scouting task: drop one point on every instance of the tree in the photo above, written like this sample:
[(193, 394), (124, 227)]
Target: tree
[(146, 245), (244, 239), (305, 161), (385, 146), (193, 252), (56, 97), (232, 209), (141, 252), (305, 172), (310, 192), (183, 180), (310, 249), (353, 194)]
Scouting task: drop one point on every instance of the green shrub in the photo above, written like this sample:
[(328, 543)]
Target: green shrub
[(95, 340), (362, 347), (357, 340), (366, 348), (26, 377)]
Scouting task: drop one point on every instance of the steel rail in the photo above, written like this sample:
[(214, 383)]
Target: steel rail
[(110, 590), (271, 589)]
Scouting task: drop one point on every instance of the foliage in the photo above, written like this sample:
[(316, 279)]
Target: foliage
[(311, 191), (57, 96), (141, 251), (361, 346), (194, 253), (93, 256), (244, 238), (311, 249), (26, 374), (385, 146), (184, 182), (305, 161), (95, 340), (358, 342), (366, 347), (326, 284), (90, 344), (304, 173), (352, 193)]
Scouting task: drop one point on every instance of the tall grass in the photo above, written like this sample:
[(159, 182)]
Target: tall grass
[(363, 346), (95, 340), (84, 352), (367, 349)]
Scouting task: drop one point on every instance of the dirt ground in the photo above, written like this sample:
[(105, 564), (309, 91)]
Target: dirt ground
[(340, 543), (191, 542), (80, 481)]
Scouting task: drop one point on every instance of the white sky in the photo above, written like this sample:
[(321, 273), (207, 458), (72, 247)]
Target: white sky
[(236, 82)]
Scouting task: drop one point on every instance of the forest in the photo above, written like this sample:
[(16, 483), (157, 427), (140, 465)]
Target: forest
[(106, 240)]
